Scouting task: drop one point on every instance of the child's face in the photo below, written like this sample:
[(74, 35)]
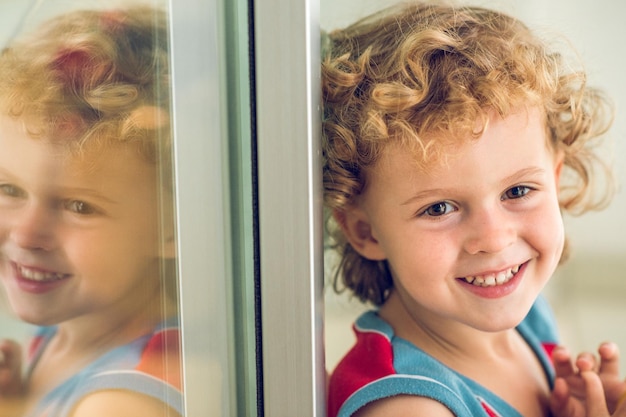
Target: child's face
[(78, 238), (490, 214)]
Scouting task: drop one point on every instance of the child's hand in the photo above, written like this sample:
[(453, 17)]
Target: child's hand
[(570, 395), (10, 368)]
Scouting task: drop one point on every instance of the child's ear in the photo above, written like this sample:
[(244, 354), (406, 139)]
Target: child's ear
[(558, 166), (355, 225), (168, 247)]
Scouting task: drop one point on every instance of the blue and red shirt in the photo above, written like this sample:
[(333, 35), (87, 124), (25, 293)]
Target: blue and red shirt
[(149, 365), (382, 365)]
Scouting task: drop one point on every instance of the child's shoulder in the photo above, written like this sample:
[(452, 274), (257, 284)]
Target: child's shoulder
[(369, 360), (161, 356)]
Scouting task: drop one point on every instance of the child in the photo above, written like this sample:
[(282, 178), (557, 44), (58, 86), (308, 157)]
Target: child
[(453, 138), (86, 220)]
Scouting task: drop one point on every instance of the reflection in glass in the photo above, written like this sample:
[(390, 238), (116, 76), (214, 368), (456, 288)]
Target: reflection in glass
[(87, 235)]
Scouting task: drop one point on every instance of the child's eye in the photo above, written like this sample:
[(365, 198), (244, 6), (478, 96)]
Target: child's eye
[(439, 209), (518, 191), (11, 190), (79, 207)]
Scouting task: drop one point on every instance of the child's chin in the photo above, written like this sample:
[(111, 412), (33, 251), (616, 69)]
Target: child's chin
[(501, 324), (29, 317)]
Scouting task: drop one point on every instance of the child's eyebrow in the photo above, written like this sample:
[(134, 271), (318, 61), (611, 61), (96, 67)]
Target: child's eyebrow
[(425, 194), (522, 174), (86, 192), (6, 172)]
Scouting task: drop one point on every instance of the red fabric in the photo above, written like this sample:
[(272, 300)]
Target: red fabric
[(161, 358), (549, 348), (489, 411), (372, 359), (34, 346)]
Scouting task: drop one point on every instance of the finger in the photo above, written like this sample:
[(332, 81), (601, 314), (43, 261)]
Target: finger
[(562, 360), (609, 359), (10, 354), (5, 351), (586, 362), (560, 392), (595, 404), (559, 398), (6, 377)]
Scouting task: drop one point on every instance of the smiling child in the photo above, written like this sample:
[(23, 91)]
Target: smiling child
[(453, 139), (86, 218)]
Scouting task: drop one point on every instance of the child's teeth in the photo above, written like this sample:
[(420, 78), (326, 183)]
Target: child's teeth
[(38, 275), (493, 279)]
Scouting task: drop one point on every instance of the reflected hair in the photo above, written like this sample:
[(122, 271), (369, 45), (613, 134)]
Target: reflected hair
[(91, 77), (427, 76)]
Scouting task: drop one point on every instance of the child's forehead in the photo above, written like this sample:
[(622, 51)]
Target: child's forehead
[(74, 160), (99, 157), (419, 159), (424, 152), (101, 154), (430, 151)]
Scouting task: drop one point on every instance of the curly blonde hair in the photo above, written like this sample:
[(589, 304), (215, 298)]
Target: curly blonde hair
[(423, 68), (91, 77)]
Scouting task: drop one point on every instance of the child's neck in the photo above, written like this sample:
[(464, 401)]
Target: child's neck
[(84, 340), (446, 338), (100, 332)]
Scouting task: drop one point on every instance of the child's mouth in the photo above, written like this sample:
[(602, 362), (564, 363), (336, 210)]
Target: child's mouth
[(493, 280), (39, 275)]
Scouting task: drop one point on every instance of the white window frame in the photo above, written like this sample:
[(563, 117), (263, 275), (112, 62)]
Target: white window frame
[(287, 68)]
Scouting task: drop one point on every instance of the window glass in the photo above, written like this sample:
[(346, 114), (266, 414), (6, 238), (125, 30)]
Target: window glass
[(88, 227)]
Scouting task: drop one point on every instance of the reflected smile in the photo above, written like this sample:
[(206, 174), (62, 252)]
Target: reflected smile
[(39, 275)]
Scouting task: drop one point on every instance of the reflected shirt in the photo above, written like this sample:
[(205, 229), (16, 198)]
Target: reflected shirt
[(138, 366), (381, 365)]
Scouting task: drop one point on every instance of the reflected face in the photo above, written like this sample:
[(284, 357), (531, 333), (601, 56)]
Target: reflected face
[(78, 238), (473, 240)]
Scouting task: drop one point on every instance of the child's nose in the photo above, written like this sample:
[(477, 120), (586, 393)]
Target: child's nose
[(490, 232), (33, 228)]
